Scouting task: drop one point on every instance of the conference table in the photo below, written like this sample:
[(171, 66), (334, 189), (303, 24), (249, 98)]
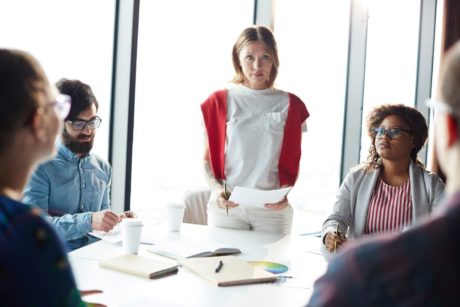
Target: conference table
[(304, 256)]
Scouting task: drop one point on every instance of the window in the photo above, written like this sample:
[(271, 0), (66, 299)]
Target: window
[(71, 39), (312, 40), (391, 61), (184, 54)]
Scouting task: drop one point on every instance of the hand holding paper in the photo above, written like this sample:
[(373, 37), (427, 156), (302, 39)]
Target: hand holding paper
[(258, 198)]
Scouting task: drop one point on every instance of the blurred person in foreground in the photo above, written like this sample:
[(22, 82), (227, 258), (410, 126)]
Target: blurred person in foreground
[(420, 266), (34, 269)]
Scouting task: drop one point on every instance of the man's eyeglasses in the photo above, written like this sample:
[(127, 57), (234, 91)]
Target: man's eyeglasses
[(62, 105), (79, 124), (441, 106), (392, 133)]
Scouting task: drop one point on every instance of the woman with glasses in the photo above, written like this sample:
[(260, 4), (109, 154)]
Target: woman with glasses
[(253, 137), (392, 190)]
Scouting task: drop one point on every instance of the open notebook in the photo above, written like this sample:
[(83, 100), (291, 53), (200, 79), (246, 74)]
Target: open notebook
[(234, 271), (187, 248), (139, 266)]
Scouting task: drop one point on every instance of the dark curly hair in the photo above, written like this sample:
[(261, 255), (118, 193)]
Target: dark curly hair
[(81, 94), (411, 116)]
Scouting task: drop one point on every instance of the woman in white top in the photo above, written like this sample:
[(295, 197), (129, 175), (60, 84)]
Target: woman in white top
[(253, 137)]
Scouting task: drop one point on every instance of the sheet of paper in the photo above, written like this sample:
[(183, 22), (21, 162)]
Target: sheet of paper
[(257, 198), (113, 236)]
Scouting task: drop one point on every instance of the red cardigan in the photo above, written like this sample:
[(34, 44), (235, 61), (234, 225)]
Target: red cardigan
[(214, 111)]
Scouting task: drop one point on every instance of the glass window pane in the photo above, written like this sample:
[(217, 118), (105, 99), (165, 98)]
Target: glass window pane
[(70, 38), (392, 53), (313, 46), (184, 54)]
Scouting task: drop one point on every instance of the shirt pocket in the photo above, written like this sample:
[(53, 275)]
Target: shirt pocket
[(274, 122)]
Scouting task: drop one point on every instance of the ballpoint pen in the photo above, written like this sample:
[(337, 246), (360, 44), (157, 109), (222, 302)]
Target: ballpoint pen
[(335, 241), (219, 266), (225, 195)]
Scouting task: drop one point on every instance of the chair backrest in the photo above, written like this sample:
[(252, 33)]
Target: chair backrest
[(196, 203)]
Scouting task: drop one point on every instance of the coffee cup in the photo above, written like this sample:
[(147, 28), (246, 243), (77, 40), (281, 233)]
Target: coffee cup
[(175, 216), (131, 230)]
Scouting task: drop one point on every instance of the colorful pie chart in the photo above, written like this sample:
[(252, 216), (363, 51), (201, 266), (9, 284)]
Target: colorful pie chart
[(272, 267)]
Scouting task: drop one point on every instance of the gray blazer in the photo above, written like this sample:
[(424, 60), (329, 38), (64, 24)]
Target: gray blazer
[(354, 196)]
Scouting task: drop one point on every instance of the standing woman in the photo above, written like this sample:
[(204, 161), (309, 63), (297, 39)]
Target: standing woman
[(34, 269), (393, 189), (253, 137)]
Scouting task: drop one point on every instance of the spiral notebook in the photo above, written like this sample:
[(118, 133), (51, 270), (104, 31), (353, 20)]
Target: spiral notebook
[(140, 266), (234, 271)]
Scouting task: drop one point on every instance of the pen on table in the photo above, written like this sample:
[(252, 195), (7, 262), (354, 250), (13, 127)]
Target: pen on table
[(219, 266), (335, 241), (225, 195)]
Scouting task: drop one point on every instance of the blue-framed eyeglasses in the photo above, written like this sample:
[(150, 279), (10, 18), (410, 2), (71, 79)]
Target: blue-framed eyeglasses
[(79, 124), (392, 133)]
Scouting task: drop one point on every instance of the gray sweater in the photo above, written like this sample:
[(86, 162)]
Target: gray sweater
[(352, 201)]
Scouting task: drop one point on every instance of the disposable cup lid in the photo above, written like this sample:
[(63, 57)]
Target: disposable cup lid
[(132, 222)]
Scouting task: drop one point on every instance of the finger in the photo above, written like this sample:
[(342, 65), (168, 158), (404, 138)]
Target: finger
[(107, 226), (228, 203), (111, 218), (131, 214), (88, 292), (111, 215)]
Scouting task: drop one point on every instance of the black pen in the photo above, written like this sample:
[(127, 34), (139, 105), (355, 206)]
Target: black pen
[(219, 266), (225, 195)]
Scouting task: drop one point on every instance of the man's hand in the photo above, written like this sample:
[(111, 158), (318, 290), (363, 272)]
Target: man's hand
[(104, 220), (128, 214)]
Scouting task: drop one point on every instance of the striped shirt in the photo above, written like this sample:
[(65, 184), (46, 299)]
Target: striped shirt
[(390, 208)]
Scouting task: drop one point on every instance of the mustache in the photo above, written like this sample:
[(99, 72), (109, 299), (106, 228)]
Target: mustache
[(84, 136)]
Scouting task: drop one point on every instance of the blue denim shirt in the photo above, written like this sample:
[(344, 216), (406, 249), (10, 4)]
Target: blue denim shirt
[(70, 188)]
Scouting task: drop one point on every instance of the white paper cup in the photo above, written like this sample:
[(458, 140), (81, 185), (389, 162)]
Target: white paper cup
[(175, 216), (131, 230)]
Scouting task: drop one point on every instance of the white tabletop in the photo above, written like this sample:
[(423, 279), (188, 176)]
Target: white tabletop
[(302, 254)]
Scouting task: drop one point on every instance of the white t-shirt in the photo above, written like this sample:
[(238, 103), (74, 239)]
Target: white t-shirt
[(255, 129)]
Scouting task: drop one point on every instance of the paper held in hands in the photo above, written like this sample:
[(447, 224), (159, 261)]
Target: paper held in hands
[(257, 198), (232, 271)]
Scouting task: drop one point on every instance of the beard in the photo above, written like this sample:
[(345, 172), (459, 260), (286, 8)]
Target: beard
[(75, 145)]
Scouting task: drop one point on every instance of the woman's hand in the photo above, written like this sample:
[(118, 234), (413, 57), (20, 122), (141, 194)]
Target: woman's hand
[(333, 241), (223, 202), (282, 204)]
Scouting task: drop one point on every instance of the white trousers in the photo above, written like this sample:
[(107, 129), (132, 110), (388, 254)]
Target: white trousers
[(249, 218)]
